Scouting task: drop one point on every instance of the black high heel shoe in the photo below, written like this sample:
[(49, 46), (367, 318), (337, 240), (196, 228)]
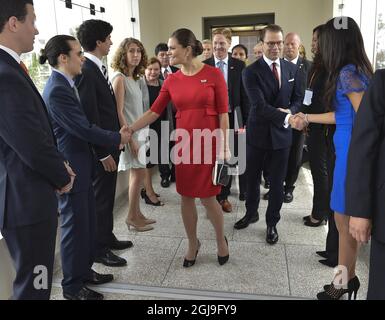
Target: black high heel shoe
[(309, 223), (331, 293), (190, 263), (147, 200), (223, 260)]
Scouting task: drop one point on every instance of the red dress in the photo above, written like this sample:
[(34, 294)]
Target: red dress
[(199, 99)]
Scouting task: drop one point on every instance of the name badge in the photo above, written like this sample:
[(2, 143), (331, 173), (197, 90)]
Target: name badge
[(308, 97)]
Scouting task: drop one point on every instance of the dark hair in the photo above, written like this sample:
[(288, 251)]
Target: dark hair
[(242, 47), (91, 31), (340, 47), (13, 8), (318, 65), (161, 47), (186, 38), (153, 60), (55, 47), (272, 28)]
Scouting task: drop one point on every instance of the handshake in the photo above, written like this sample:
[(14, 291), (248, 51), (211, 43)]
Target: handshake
[(125, 136), (299, 121)]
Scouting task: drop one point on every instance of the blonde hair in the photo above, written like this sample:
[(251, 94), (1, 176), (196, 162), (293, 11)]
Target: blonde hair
[(226, 32), (119, 62)]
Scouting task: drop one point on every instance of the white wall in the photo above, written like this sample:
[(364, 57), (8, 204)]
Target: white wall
[(161, 17)]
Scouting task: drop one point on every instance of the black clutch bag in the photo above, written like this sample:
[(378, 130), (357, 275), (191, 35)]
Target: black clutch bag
[(221, 174)]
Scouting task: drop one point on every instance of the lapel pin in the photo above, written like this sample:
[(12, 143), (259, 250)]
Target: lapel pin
[(203, 81)]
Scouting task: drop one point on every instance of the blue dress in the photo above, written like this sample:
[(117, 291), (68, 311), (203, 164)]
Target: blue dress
[(349, 80)]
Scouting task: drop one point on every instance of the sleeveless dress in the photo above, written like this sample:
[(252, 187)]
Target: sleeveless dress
[(349, 80), (199, 100), (133, 110)]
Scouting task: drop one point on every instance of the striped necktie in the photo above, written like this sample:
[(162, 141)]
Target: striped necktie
[(105, 74)]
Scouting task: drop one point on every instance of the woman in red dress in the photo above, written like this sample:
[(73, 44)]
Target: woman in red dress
[(199, 93)]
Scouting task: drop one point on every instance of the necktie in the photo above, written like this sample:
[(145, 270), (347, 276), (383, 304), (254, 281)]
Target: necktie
[(76, 92), (24, 67), (221, 66), (275, 72), (105, 74), (165, 74)]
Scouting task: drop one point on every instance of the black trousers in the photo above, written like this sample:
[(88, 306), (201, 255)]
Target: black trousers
[(104, 184), (32, 249), (376, 290), (321, 159), (278, 167), (295, 160)]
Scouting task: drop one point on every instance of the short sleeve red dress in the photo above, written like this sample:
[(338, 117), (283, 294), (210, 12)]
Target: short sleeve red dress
[(199, 99)]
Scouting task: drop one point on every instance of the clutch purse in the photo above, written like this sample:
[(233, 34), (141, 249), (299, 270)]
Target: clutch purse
[(221, 174)]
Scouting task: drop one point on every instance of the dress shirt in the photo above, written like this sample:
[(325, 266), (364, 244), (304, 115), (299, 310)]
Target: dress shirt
[(294, 61), (12, 53), (225, 67)]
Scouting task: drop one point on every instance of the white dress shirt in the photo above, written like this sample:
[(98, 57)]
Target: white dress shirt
[(168, 70), (278, 66), (225, 67), (294, 61)]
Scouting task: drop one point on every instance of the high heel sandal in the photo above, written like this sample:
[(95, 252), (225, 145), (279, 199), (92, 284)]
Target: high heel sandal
[(138, 228), (223, 260), (331, 293), (190, 263), (147, 199), (143, 192)]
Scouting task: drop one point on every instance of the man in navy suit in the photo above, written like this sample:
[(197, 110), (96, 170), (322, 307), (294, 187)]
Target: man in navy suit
[(98, 101), (291, 54), (275, 96), (167, 171), (238, 103), (31, 168), (74, 135)]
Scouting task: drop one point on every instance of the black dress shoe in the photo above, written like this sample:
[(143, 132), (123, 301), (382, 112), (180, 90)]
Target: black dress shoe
[(309, 223), (271, 235), (111, 260), (242, 197), (84, 294), (266, 196), (288, 197), (97, 278), (120, 245), (245, 221), (328, 263), (165, 183), (307, 218), (323, 254)]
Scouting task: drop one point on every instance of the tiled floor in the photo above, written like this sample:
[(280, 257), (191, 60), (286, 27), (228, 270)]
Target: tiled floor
[(288, 270)]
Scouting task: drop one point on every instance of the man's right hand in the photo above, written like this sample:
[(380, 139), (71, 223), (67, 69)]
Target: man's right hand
[(109, 164)]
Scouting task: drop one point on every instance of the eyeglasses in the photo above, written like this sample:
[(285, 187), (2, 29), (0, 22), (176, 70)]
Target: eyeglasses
[(272, 44)]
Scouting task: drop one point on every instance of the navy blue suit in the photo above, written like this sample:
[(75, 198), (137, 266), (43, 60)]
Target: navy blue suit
[(74, 135), (31, 169), (266, 132)]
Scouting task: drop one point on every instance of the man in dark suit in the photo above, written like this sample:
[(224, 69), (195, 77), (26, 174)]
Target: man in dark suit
[(274, 95), (232, 72), (31, 168), (291, 54), (75, 135), (98, 101), (365, 189), (167, 170)]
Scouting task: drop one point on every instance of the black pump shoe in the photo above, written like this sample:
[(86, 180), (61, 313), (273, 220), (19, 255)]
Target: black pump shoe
[(190, 263), (223, 260), (147, 199)]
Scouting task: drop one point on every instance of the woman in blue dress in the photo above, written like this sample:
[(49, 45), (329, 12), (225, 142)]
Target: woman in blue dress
[(349, 72)]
